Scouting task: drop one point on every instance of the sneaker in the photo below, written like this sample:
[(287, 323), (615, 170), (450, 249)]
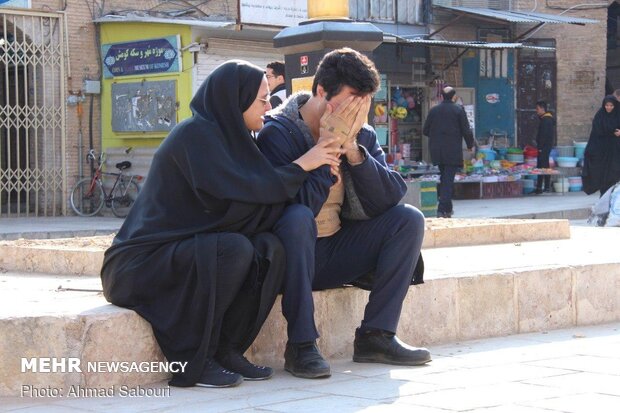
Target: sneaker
[(235, 362), (215, 375), (379, 346), (304, 360)]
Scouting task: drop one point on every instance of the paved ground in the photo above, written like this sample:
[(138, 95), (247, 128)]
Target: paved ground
[(575, 370)]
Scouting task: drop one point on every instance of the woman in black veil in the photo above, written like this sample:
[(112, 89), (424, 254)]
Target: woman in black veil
[(601, 164), (195, 257)]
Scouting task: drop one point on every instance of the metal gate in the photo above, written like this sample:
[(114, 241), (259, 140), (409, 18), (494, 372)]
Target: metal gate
[(32, 114), (536, 80)]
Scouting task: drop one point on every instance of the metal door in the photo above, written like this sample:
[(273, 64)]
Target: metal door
[(536, 77), (32, 113)]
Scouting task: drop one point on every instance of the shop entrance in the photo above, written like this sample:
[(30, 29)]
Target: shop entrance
[(32, 114), (536, 80)]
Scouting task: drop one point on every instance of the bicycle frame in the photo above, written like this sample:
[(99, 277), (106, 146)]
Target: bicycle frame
[(99, 174)]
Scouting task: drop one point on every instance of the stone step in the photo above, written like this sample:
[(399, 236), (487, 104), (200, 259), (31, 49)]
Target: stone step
[(470, 292), (83, 256)]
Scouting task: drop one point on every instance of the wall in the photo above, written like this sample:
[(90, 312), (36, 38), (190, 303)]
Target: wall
[(581, 60), (581, 75)]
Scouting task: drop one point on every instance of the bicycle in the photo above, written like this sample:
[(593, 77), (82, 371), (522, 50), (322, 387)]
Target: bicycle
[(89, 194)]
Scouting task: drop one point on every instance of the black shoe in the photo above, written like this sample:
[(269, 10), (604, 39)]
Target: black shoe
[(378, 346), (235, 362), (304, 360), (444, 214), (215, 375), (538, 191)]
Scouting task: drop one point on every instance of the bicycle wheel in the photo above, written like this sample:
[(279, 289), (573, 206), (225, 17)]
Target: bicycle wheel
[(124, 196), (84, 201)]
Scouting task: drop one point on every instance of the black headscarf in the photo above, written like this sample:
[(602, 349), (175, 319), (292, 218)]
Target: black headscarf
[(604, 122), (208, 174)]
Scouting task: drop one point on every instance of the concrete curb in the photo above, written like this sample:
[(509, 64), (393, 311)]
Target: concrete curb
[(442, 310), (55, 258)]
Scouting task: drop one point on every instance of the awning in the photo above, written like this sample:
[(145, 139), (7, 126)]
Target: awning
[(467, 45), (518, 16), (472, 44), (135, 18), (538, 19)]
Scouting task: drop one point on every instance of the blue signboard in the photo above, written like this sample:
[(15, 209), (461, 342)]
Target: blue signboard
[(141, 57)]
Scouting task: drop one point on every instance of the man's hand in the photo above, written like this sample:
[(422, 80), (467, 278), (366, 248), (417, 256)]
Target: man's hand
[(345, 122), (339, 122), (325, 152)]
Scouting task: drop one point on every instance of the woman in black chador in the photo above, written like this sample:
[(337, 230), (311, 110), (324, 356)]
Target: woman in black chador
[(195, 257), (601, 164)]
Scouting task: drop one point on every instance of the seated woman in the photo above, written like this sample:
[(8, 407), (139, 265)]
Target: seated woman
[(195, 257)]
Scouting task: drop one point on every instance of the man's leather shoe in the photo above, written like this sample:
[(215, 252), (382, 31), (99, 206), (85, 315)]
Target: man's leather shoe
[(305, 360), (378, 346)]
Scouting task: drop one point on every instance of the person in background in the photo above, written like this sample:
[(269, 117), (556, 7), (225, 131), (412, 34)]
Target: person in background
[(345, 222), (446, 126), (277, 83), (544, 143), (601, 162), (196, 256)]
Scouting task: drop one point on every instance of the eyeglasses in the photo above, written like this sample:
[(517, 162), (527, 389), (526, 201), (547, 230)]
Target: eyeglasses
[(265, 100), (269, 76)]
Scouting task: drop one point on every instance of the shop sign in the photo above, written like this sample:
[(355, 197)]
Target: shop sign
[(141, 57), (280, 13), (492, 98)]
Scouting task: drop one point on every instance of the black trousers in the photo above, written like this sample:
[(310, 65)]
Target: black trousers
[(543, 162), (446, 187), (388, 244)]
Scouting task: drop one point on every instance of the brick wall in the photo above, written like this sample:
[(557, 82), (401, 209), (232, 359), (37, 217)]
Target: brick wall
[(581, 64)]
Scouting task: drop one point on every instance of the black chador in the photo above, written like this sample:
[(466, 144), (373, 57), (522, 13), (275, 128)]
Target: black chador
[(209, 191)]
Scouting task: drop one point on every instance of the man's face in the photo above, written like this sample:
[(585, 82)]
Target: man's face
[(539, 110), (272, 79), (336, 100)]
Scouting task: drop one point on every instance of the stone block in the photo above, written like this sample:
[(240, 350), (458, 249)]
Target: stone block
[(429, 313), (597, 293), (545, 299), (486, 305)]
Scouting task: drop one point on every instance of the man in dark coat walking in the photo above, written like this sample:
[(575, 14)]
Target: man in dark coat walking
[(544, 141), (446, 125)]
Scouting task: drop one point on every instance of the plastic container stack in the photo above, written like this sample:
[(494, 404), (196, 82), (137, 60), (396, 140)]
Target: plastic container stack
[(580, 148), (575, 184), (528, 185), (567, 161)]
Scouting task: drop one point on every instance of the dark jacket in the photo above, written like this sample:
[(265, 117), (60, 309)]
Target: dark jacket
[(446, 126), (371, 188), (544, 135)]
